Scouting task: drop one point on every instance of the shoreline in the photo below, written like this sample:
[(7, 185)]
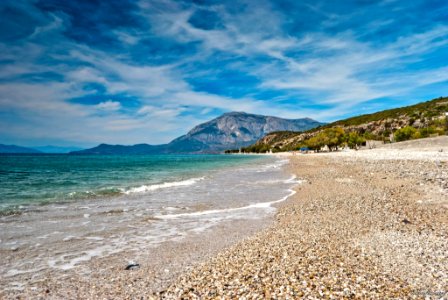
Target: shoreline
[(357, 227), (363, 225), (159, 262)]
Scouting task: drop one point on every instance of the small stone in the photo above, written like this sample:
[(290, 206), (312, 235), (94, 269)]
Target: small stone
[(132, 266)]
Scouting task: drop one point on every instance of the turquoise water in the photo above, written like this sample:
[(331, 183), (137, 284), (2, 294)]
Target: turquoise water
[(41, 179), (59, 212)]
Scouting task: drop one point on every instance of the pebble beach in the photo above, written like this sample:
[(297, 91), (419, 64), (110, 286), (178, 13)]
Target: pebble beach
[(363, 225), (368, 224)]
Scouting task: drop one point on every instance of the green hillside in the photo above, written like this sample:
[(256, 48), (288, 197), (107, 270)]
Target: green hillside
[(428, 109), (410, 122)]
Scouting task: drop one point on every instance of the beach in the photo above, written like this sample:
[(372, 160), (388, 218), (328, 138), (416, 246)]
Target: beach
[(368, 224), (363, 225), (188, 209)]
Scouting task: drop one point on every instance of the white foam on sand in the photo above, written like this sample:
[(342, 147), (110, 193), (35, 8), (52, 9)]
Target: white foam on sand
[(278, 164), (62, 263), (227, 210), (291, 180), (14, 272)]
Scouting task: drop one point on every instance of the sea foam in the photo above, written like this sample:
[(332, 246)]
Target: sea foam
[(227, 210), (153, 187)]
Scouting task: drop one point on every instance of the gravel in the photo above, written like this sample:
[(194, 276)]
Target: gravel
[(363, 225)]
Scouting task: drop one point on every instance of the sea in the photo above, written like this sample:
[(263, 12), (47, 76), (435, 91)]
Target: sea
[(60, 211)]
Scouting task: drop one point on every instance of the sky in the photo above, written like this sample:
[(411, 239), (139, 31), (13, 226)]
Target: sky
[(80, 73)]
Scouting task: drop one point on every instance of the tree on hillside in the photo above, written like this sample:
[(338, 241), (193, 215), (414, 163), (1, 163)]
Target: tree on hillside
[(354, 140), (333, 137), (314, 143)]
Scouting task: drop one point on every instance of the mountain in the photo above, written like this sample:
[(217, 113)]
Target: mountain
[(235, 130), (231, 130), (121, 149), (56, 149), (420, 120), (16, 149)]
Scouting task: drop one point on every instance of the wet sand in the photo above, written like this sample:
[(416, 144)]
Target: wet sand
[(106, 278)]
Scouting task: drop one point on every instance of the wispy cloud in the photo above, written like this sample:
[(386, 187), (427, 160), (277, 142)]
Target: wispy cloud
[(109, 105), (109, 77)]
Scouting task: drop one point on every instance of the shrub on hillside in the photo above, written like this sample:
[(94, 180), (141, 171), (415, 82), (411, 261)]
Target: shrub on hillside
[(405, 133)]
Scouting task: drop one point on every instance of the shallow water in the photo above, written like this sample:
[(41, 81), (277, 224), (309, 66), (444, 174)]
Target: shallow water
[(65, 234), (46, 178)]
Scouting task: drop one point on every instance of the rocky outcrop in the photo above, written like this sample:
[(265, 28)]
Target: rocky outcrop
[(237, 129)]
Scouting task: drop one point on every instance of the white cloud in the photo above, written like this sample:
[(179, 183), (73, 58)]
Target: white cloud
[(109, 105), (122, 77), (126, 38), (56, 24), (340, 69), (354, 72), (164, 112)]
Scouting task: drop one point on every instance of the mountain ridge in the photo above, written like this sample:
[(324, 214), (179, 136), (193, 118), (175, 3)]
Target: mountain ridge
[(230, 130), (14, 149), (57, 149)]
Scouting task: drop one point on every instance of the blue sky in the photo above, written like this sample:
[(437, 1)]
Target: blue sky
[(86, 72)]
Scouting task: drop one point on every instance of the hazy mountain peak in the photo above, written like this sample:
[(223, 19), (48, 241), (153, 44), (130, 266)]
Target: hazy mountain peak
[(16, 149), (57, 149)]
